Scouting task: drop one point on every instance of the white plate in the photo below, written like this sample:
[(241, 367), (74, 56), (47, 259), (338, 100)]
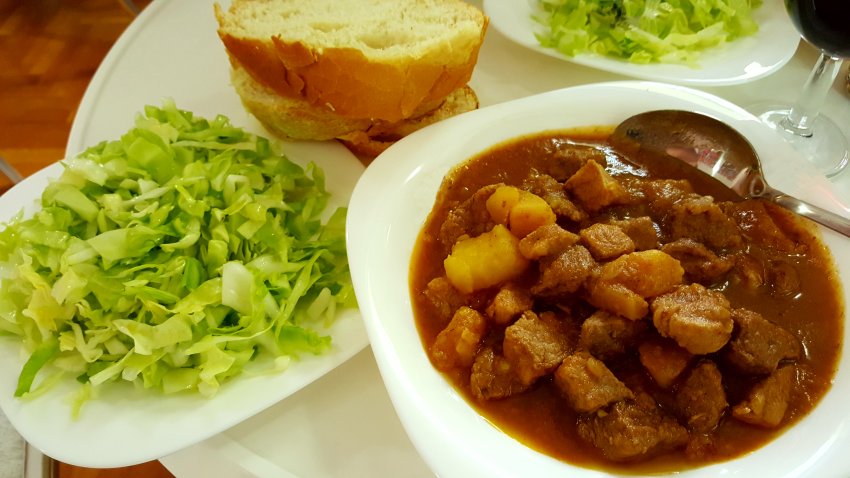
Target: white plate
[(126, 426), (313, 434), (742, 60), (402, 183)]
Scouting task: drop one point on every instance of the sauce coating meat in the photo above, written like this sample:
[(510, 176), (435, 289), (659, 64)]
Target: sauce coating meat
[(617, 313)]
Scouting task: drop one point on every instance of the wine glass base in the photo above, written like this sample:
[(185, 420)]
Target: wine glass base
[(824, 144)]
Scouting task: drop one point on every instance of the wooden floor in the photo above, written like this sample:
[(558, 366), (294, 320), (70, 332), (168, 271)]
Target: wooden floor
[(49, 50)]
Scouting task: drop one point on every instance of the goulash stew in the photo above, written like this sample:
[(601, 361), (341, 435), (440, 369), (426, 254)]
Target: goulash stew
[(610, 310)]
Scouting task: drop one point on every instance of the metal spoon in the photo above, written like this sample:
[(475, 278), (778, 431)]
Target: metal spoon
[(716, 149)]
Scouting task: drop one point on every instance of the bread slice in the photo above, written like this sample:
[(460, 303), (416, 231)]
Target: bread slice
[(296, 119), (290, 118), (361, 59)]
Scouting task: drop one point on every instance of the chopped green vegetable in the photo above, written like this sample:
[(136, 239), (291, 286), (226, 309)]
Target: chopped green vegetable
[(40, 356), (644, 31), (173, 257)]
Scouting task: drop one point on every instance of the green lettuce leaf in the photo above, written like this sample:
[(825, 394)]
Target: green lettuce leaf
[(643, 31), (171, 258)]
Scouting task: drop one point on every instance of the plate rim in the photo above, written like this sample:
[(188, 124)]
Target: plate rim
[(502, 14)]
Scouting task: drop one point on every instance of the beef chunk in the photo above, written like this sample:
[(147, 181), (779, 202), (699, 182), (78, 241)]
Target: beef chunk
[(701, 219), (493, 377), (606, 335), (536, 345), (508, 303), (758, 344), (469, 218), (457, 344), (782, 277), (565, 162), (753, 272), (646, 273), (555, 196), (701, 447), (444, 297), (564, 273), (632, 429), (664, 360), (767, 225), (605, 241), (587, 383), (747, 272), (700, 263), (641, 230), (661, 194), (594, 188), (616, 298), (767, 401), (698, 319), (701, 399), (546, 240)]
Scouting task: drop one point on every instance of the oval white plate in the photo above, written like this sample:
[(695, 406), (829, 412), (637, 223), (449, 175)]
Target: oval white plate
[(126, 426), (154, 59), (402, 183), (743, 60)]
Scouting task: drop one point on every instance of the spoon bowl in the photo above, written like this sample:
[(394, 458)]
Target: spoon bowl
[(717, 150)]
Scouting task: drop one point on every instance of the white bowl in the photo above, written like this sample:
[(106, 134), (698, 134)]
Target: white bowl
[(390, 204)]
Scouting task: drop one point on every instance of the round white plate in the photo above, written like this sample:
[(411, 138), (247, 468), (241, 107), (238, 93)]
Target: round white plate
[(742, 60), (402, 183), (154, 60)]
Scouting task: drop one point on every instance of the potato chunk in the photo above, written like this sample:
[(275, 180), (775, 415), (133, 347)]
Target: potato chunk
[(485, 261), (616, 298), (664, 360), (520, 210), (500, 203)]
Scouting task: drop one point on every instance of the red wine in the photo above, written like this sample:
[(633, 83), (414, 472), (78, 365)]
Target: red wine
[(823, 23)]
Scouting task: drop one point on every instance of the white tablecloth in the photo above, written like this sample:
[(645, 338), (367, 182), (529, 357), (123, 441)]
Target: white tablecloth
[(11, 450)]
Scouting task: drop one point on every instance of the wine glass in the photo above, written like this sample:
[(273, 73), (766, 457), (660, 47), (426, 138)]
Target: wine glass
[(826, 25)]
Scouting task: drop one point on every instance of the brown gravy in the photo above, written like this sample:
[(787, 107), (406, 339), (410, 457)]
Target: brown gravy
[(540, 417)]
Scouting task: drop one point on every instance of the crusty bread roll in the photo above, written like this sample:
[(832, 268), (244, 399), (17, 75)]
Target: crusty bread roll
[(297, 119), (359, 59)]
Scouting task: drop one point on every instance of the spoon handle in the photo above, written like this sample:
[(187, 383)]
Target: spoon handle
[(823, 217)]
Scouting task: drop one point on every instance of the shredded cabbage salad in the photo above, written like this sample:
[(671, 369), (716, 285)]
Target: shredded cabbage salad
[(171, 258), (644, 31)]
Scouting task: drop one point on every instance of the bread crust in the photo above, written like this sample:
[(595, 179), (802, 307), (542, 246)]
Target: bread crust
[(346, 82), (296, 119), (380, 136)]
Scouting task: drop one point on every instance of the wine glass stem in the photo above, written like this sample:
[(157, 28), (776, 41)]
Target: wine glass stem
[(805, 111)]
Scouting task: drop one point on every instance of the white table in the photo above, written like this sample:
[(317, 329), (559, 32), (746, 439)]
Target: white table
[(371, 442)]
